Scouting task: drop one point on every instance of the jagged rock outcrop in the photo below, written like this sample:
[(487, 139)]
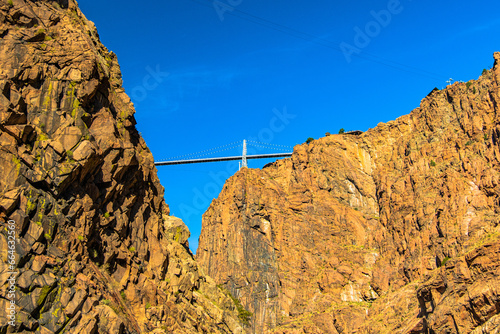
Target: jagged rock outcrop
[(393, 230), (96, 250)]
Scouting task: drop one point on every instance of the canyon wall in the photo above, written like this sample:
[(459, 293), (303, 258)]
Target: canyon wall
[(392, 230), (95, 249)]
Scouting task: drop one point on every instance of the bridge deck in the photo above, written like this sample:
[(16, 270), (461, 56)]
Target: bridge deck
[(195, 161)]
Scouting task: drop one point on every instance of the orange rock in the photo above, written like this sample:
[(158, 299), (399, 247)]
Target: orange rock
[(96, 249), (400, 213)]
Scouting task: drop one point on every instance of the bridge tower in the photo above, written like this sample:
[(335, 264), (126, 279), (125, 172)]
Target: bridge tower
[(244, 155)]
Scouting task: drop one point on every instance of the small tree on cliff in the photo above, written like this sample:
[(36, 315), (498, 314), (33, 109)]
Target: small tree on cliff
[(309, 140), (341, 131)]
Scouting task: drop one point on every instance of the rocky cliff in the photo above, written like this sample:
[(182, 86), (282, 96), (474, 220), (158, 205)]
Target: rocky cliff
[(395, 230), (95, 249)]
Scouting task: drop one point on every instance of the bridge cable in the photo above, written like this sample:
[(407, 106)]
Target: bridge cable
[(270, 148), (270, 145), (207, 152)]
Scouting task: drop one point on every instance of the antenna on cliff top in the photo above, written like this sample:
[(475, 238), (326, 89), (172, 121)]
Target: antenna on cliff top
[(449, 81)]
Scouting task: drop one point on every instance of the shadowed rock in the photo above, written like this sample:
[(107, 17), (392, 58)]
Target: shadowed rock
[(95, 250)]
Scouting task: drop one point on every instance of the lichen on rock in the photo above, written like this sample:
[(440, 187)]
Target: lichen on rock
[(94, 250)]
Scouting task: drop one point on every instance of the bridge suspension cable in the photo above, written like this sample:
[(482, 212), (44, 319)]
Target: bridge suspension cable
[(269, 146), (244, 156), (207, 152)]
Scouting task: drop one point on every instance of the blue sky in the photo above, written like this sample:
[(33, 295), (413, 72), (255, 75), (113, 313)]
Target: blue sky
[(203, 73)]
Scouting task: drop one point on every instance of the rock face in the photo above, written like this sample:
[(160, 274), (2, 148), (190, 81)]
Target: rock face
[(96, 250), (393, 230)]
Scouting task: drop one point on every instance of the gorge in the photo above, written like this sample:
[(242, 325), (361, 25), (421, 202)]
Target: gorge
[(392, 230)]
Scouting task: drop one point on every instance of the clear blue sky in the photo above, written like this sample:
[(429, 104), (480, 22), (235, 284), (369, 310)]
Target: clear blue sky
[(205, 73)]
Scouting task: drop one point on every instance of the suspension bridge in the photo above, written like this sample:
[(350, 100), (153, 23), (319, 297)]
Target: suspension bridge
[(243, 157)]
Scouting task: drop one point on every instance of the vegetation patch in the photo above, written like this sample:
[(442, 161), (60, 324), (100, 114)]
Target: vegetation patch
[(243, 314), (118, 310), (443, 262), (363, 304)]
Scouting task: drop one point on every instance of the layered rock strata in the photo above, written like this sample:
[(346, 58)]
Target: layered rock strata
[(95, 250), (392, 230)]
